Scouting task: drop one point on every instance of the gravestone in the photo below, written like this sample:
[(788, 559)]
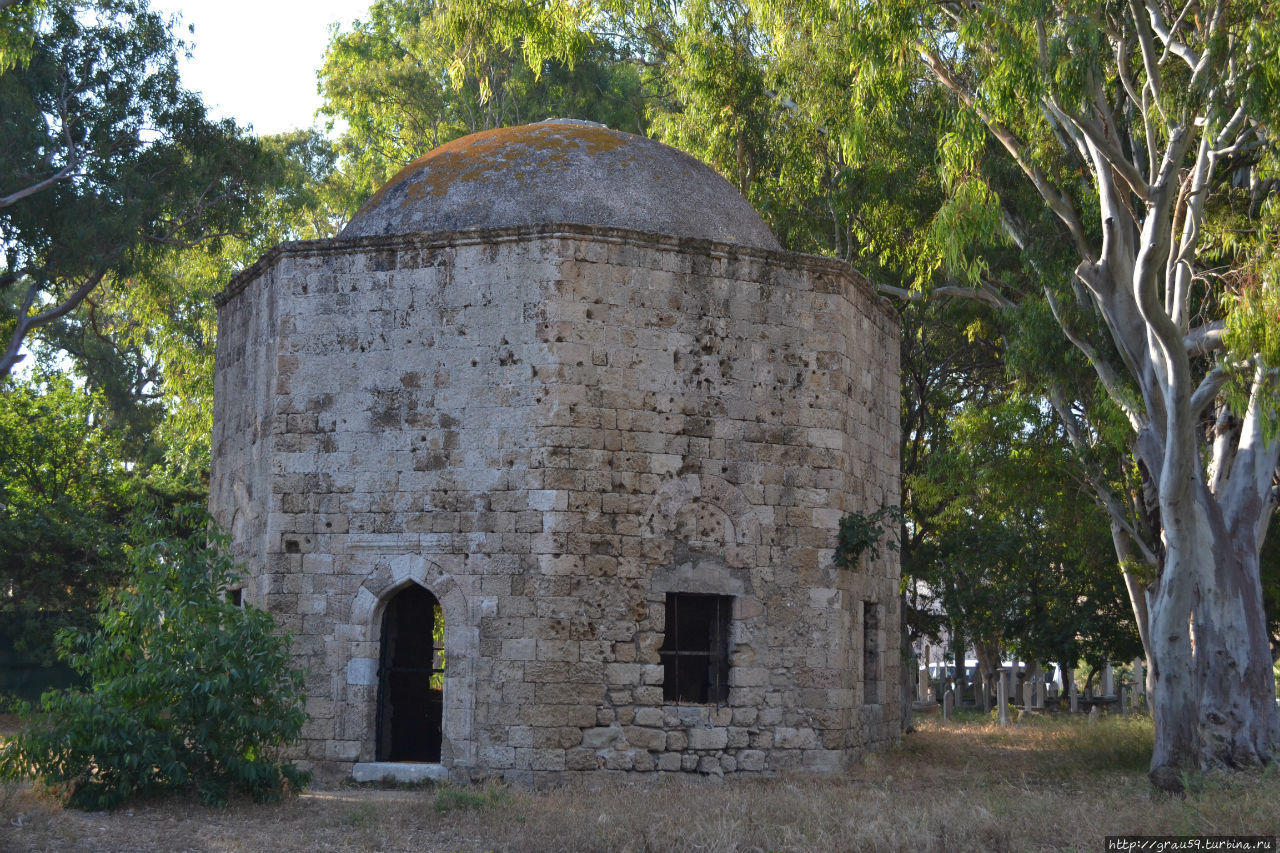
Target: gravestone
[(1002, 696)]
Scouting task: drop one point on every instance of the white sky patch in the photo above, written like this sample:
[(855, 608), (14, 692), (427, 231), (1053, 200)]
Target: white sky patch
[(256, 62)]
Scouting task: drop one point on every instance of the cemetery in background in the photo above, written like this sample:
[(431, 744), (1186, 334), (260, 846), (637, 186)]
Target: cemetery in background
[(1020, 687)]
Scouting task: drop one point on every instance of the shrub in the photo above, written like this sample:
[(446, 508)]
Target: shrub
[(188, 691)]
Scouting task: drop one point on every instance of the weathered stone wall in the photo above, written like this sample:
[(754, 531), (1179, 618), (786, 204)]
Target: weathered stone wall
[(245, 392), (551, 429)]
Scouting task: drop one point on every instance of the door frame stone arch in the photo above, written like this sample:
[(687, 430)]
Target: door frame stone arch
[(461, 643)]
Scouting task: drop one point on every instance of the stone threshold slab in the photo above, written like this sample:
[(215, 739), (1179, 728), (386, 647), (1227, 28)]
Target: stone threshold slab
[(398, 771)]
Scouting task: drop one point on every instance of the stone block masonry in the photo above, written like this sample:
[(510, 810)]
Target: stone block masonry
[(554, 430)]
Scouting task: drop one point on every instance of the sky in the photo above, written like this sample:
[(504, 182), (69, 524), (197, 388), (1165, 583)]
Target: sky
[(256, 60)]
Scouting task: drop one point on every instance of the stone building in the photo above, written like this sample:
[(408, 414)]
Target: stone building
[(541, 461)]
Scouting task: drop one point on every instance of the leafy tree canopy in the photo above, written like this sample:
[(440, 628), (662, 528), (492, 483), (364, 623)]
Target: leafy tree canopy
[(107, 159), (187, 691), (398, 82), (65, 503)]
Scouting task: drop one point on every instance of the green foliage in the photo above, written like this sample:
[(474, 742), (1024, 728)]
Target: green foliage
[(65, 502), (146, 342), (187, 691), (1017, 554), (107, 159), (165, 312), (967, 222), (862, 534), (16, 22), (414, 76), (1253, 331), (719, 104)]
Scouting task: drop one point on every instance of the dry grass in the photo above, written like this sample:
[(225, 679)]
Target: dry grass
[(1041, 785)]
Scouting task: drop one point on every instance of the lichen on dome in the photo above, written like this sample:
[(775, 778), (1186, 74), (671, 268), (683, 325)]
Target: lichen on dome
[(561, 171)]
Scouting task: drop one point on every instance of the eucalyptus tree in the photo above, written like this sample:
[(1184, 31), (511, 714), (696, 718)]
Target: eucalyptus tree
[(1136, 138), (16, 18)]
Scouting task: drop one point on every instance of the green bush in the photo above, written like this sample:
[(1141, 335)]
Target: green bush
[(188, 691)]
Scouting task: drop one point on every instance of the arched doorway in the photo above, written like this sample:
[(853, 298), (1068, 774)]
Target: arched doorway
[(411, 677)]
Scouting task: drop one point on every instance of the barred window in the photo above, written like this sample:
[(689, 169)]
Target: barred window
[(871, 676), (695, 652)]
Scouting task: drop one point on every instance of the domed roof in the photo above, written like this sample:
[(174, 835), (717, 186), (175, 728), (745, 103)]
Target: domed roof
[(561, 171)]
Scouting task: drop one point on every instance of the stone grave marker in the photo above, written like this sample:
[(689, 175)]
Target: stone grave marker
[(1002, 696)]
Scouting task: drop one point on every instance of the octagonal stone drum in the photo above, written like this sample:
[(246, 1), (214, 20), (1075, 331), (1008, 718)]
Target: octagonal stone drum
[(542, 461)]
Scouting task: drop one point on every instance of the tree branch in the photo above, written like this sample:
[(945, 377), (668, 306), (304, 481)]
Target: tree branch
[(1110, 380), (1155, 242), (1207, 390), (11, 356), (1205, 339), (1057, 202), (62, 174), (1255, 463), (979, 294), (1168, 35), (1151, 62), (25, 324), (1179, 261), (1107, 149)]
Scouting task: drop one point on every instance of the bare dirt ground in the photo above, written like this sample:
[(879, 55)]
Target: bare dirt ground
[(1043, 785)]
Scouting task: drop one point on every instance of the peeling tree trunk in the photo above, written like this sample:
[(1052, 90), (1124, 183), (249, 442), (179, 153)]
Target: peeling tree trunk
[(1214, 686), (1168, 116), (1238, 722), (1176, 697)]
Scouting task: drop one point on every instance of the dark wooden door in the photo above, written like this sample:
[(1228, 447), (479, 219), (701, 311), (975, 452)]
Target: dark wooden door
[(411, 678)]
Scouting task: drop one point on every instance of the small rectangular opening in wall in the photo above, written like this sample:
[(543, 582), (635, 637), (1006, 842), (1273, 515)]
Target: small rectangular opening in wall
[(870, 653), (236, 597), (695, 650)]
